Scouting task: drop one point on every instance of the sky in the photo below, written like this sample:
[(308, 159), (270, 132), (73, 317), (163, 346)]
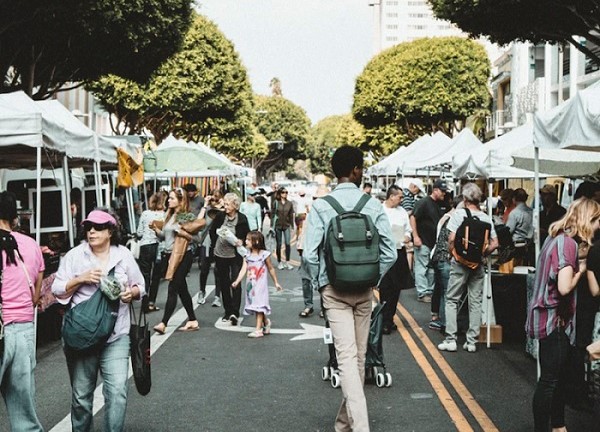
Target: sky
[(316, 48)]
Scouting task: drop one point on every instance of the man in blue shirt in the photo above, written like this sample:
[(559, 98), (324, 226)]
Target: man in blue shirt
[(348, 312)]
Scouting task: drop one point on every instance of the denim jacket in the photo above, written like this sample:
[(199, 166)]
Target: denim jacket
[(321, 213)]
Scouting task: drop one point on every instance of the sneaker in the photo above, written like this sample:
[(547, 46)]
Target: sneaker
[(256, 334), (233, 320), (267, 327), (224, 320), (216, 302), (281, 266), (435, 324), (289, 266), (201, 299), (425, 299), (448, 345), (469, 347)]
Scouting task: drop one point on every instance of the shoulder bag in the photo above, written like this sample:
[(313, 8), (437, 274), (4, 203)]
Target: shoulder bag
[(89, 324)]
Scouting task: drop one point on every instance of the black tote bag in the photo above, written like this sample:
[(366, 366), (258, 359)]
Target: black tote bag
[(139, 335)]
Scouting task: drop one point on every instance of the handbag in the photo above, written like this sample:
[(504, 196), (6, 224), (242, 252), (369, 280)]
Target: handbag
[(134, 246), (89, 324), (140, 351)]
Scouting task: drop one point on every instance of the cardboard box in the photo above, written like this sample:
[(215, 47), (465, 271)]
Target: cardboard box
[(495, 333)]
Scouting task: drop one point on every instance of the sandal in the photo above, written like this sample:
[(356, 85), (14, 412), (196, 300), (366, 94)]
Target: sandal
[(152, 308), (306, 312), (189, 327), (160, 328)]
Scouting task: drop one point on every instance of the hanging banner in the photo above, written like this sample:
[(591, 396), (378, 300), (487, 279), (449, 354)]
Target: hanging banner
[(131, 173)]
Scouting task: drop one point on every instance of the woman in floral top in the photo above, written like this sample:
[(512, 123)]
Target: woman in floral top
[(551, 312)]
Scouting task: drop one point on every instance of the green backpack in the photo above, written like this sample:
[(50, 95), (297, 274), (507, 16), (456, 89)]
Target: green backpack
[(351, 248)]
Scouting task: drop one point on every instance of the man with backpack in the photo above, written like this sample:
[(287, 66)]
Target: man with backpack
[(347, 250), (472, 237)]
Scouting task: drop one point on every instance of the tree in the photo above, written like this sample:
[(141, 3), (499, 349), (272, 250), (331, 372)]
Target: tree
[(45, 44), (201, 91), (427, 85), (533, 20), (327, 135), (285, 127)]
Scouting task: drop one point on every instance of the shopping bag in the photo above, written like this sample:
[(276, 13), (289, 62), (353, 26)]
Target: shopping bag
[(140, 351), (134, 246)]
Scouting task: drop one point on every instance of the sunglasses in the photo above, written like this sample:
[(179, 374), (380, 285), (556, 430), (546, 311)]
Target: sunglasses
[(284, 192), (87, 226)]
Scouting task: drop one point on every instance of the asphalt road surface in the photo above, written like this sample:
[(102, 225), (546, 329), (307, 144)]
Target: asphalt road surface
[(217, 379)]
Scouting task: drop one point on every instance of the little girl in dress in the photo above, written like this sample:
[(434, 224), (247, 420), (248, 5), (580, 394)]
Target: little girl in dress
[(256, 264)]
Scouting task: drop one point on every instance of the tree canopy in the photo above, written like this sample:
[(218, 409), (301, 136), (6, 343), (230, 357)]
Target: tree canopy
[(201, 91), (422, 86), (532, 20), (285, 127), (327, 135), (47, 43)]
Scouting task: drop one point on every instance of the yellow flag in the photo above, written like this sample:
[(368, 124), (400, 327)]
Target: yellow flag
[(131, 172)]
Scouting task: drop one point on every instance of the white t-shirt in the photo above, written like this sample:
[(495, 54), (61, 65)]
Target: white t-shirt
[(460, 214), (400, 224)]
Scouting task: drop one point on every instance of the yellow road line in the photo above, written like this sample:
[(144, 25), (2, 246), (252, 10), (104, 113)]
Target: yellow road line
[(440, 390), (459, 420), (478, 413)]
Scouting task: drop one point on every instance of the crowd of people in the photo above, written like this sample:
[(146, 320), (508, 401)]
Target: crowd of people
[(422, 244)]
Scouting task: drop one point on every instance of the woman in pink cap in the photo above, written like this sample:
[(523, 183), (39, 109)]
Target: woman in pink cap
[(78, 278)]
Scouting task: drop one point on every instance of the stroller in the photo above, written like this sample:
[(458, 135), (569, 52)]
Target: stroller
[(374, 365)]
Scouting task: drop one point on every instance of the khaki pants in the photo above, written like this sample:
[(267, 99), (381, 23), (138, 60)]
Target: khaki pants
[(349, 316)]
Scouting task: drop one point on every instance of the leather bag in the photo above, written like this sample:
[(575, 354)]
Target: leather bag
[(139, 334)]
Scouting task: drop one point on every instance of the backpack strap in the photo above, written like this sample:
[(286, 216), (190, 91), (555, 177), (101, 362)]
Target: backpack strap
[(469, 216), (361, 203), (334, 204)]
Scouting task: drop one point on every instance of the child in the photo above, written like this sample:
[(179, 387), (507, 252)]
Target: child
[(256, 264)]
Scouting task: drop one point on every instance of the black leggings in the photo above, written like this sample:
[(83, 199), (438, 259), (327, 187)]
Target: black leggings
[(391, 284), (206, 259), (549, 396), (178, 287)]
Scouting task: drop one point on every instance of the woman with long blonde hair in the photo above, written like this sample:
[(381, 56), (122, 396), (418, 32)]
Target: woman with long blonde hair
[(551, 312), (177, 203)]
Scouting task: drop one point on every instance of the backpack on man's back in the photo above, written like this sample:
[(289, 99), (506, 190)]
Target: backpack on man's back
[(351, 247), (471, 239)]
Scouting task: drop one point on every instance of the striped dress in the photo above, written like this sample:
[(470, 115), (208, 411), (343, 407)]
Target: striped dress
[(548, 306)]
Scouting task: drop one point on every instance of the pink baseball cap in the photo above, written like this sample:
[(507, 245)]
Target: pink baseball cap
[(100, 217)]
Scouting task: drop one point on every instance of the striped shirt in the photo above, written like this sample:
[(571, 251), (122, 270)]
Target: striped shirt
[(547, 306)]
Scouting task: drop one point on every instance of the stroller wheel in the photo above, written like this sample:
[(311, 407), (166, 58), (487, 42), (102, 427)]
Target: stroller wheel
[(380, 380), (325, 375), (388, 379), (335, 380)]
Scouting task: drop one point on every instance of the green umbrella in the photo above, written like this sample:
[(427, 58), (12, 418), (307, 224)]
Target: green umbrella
[(178, 155)]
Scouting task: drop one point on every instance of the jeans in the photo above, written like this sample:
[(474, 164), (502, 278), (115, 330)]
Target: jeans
[(286, 238), (441, 271), (549, 396), (228, 270), (17, 377), (462, 277), (113, 363), (179, 287), (423, 272), (349, 315), (307, 293)]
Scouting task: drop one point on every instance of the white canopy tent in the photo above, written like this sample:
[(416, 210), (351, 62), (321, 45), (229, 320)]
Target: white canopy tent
[(23, 127), (417, 157), (441, 154)]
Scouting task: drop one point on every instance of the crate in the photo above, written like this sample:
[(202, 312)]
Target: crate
[(495, 333)]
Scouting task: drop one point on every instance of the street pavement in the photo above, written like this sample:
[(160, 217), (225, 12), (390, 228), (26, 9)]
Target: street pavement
[(217, 379)]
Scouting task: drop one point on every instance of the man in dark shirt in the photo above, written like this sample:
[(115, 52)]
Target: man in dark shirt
[(196, 200), (423, 222), (551, 212), (259, 197)]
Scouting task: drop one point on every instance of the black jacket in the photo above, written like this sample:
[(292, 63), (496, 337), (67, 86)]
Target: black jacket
[(241, 229)]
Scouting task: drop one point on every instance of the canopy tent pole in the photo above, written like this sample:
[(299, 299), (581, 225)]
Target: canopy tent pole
[(38, 195), (488, 276), (68, 197), (130, 210), (97, 179), (536, 202)]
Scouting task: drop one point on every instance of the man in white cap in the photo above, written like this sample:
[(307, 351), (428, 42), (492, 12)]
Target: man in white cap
[(411, 193)]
